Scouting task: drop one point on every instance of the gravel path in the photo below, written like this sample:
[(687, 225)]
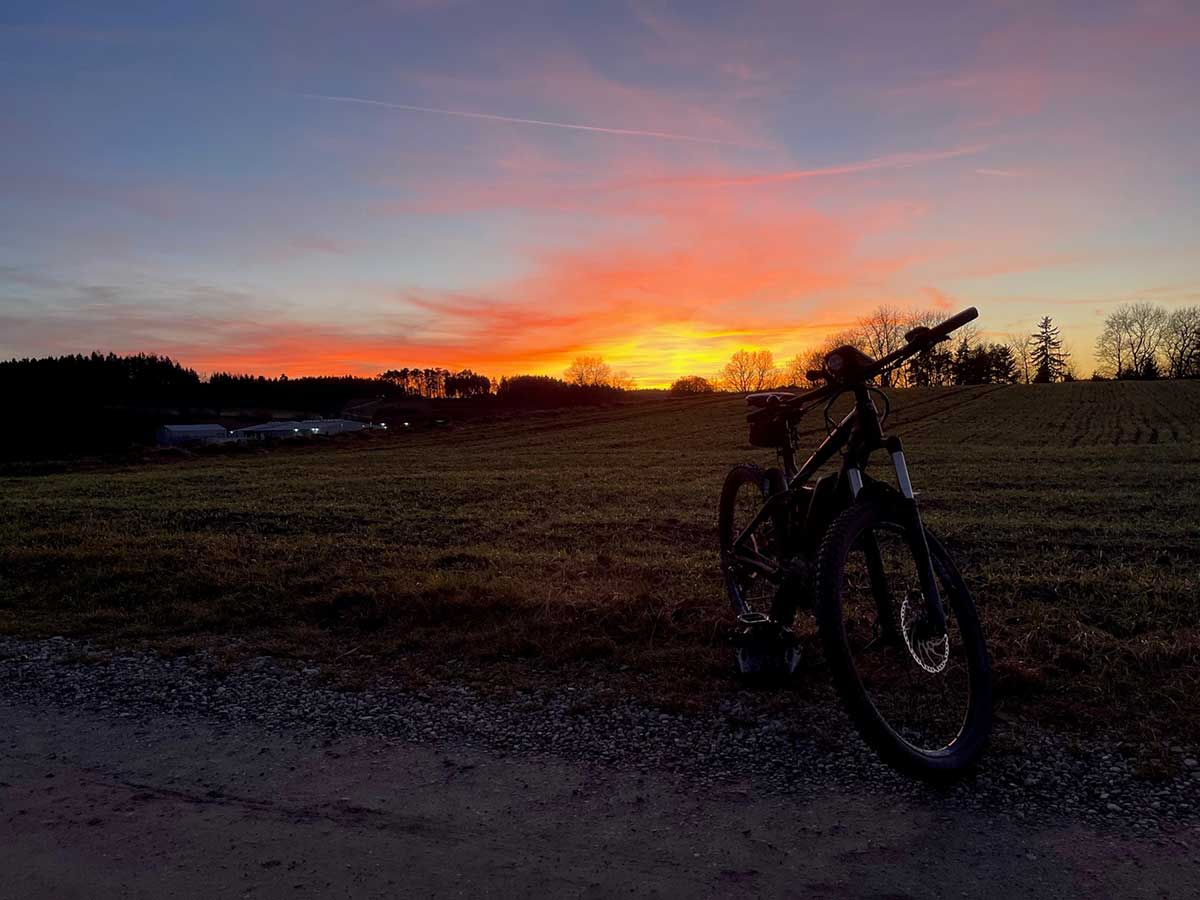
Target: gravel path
[(1029, 806)]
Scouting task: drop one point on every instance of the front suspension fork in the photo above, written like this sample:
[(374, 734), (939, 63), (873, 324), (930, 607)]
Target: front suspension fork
[(935, 611)]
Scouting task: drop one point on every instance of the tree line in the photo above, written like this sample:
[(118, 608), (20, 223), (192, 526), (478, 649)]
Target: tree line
[(1039, 356), (150, 380), (1141, 340), (101, 403), (438, 383), (105, 402), (66, 381), (593, 371), (546, 392)]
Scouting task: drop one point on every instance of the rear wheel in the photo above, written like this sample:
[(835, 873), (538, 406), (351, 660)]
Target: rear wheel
[(750, 588), (922, 701)]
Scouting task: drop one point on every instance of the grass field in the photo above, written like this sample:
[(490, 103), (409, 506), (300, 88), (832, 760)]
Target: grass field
[(571, 543)]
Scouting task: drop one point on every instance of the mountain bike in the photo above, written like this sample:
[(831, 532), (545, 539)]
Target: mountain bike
[(897, 623)]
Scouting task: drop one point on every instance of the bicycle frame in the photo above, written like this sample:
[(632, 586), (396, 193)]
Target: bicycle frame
[(860, 432)]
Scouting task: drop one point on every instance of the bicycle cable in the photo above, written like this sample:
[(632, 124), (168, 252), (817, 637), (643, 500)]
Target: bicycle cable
[(887, 403), (830, 425)]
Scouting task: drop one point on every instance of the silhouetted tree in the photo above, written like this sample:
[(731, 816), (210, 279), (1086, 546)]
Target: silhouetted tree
[(467, 384), (544, 392), (983, 364), (143, 379), (795, 370), (1181, 343), (322, 395), (691, 384), (437, 382), (1047, 354), (1128, 347), (1002, 366), (750, 370), (1020, 347), (622, 381), (881, 332), (929, 369), (588, 371), (98, 403)]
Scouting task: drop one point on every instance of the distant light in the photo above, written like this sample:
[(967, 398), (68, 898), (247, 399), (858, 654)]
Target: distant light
[(405, 424), (316, 429), (297, 430)]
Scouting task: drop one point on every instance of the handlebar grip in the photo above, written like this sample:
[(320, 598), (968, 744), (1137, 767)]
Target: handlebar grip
[(937, 332), (957, 321)]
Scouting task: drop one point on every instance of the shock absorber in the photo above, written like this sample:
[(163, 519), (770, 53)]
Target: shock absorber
[(935, 612)]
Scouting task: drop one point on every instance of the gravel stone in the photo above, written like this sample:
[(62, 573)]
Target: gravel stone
[(1029, 774)]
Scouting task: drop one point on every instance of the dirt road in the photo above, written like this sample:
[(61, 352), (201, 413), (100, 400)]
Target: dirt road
[(94, 805)]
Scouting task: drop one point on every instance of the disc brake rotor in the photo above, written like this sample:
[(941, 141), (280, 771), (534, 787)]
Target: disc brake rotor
[(931, 653)]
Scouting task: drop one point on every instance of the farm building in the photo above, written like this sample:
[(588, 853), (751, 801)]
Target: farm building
[(291, 428), (184, 435), (333, 426), (267, 430)]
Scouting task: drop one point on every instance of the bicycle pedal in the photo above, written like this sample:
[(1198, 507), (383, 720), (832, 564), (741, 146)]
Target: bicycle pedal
[(774, 662), (764, 647)]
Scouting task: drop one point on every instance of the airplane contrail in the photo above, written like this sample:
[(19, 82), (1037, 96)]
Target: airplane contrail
[(632, 132), (895, 161)]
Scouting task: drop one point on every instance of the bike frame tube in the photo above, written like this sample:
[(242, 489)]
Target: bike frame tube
[(836, 440), (862, 431)]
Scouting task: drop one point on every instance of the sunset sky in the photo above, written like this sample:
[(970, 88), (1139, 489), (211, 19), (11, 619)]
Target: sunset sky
[(347, 187)]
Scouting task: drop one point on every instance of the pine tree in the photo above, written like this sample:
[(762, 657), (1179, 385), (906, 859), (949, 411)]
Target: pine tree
[(1048, 357)]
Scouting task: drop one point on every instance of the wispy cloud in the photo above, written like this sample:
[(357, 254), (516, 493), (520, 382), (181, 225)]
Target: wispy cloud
[(880, 163), (630, 185), (491, 117)]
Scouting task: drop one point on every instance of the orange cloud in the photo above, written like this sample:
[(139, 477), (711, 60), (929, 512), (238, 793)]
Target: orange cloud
[(668, 276), (663, 255), (665, 297)]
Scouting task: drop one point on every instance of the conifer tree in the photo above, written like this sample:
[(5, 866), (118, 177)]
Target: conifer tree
[(1048, 357)]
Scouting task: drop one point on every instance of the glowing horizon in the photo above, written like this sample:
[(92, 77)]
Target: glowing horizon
[(290, 190)]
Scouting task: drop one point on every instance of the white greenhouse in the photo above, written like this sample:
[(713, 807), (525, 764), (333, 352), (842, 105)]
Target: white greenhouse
[(183, 435), (305, 428)]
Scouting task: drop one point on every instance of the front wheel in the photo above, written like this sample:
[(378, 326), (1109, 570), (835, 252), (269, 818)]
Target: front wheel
[(922, 701)]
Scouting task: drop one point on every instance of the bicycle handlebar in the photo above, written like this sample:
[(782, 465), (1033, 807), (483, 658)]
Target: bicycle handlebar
[(923, 340), (955, 322), (917, 340)]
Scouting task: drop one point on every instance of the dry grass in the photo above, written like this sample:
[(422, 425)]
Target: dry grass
[(573, 545)]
